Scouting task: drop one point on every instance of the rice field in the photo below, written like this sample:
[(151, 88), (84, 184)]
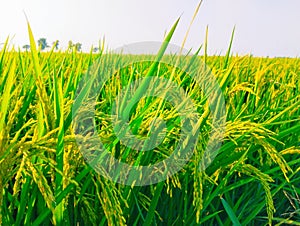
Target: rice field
[(45, 179)]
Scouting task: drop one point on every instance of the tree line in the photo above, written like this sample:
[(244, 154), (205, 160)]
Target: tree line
[(42, 43)]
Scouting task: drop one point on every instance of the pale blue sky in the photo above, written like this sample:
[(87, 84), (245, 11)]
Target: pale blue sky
[(263, 27)]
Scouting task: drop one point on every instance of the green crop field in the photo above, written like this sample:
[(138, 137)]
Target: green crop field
[(45, 179)]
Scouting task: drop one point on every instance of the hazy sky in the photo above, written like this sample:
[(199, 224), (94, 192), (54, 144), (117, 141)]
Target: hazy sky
[(263, 27)]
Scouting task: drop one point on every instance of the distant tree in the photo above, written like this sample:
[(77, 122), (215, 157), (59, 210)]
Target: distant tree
[(56, 44), (70, 44), (26, 47), (78, 46), (95, 50), (42, 42)]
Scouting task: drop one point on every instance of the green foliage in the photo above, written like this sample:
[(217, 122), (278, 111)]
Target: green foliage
[(45, 180)]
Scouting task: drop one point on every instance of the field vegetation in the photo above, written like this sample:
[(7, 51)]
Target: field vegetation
[(45, 180)]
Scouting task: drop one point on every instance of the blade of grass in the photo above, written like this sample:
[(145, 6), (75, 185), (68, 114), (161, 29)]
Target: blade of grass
[(230, 213)]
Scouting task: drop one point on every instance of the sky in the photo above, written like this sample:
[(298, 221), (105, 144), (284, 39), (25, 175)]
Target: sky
[(262, 27)]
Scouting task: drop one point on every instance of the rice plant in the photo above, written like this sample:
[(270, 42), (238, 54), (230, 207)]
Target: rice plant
[(45, 180)]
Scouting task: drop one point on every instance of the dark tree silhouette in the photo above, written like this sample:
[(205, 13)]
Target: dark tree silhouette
[(42, 42), (95, 49), (26, 47), (78, 46)]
